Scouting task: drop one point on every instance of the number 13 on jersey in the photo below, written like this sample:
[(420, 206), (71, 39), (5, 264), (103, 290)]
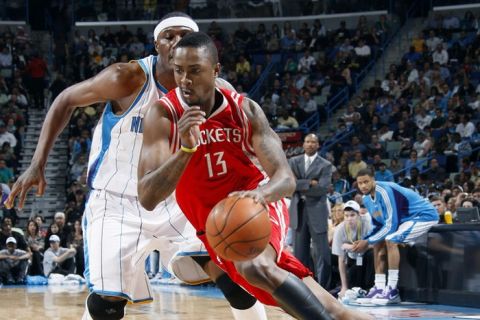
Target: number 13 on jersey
[(215, 164)]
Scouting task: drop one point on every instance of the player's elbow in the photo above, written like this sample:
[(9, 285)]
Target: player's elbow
[(290, 185), (147, 198)]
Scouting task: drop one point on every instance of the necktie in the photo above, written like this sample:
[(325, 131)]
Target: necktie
[(308, 163)]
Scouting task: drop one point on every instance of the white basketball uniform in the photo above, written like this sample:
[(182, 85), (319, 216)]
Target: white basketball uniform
[(119, 233)]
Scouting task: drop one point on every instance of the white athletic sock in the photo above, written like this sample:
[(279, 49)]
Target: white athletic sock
[(256, 312), (380, 280), (392, 278)]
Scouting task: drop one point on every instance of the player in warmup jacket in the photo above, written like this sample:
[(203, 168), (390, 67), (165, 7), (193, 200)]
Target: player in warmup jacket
[(399, 216), (207, 143), (119, 233)]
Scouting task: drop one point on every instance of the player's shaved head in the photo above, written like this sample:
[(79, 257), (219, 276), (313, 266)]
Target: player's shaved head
[(199, 40)]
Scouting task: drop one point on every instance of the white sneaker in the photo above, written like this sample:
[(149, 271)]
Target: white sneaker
[(372, 293), (389, 296)]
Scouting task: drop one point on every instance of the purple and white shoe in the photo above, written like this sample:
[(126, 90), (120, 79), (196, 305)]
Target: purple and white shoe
[(389, 296), (374, 292)]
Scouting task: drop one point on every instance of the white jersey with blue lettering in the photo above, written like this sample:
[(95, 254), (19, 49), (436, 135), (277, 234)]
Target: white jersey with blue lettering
[(118, 233), (117, 139)]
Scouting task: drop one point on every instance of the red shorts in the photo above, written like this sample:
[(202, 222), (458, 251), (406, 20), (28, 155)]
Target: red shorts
[(279, 220)]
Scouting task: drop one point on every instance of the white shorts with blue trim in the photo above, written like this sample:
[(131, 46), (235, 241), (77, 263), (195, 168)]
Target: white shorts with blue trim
[(410, 231), (118, 237)]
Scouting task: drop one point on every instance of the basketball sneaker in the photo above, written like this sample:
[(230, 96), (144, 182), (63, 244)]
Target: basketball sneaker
[(389, 296), (373, 293)]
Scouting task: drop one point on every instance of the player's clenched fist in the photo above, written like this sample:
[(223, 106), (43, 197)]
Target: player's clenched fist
[(188, 125)]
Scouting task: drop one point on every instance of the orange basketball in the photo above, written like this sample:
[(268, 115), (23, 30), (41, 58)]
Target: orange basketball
[(238, 229)]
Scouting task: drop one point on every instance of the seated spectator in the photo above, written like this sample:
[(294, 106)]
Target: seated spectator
[(356, 270), (340, 184), (412, 55), (351, 115), (423, 144), (242, 67), (288, 41), (418, 42), (441, 207), (58, 259), (336, 217), (395, 166), (6, 136), (403, 132), (356, 165), (363, 52), (7, 232), (13, 263), (35, 242), (469, 203), (357, 145), (286, 121), (422, 119), (439, 120), (413, 162), (432, 41), (385, 134), (64, 229), (383, 174), (291, 65), (75, 240), (308, 104), (375, 147), (411, 72), (306, 63), (436, 173), (333, 196), (6, 174), (42, 230), (465, 128), (440, 55), (53, 229)]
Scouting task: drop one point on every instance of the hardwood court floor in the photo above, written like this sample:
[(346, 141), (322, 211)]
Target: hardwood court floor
[(67, 302), (174, 302)]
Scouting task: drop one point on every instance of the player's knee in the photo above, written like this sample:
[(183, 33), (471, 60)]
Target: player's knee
[(258, 272), (235, 295), (102, 309), (390, 243), (382, 253)]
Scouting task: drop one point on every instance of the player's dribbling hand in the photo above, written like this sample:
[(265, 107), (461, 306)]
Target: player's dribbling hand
[(256, 195), (33, 177), (188, 125)]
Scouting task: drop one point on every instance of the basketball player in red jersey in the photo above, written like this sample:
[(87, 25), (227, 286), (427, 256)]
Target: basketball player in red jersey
[(204, 142)]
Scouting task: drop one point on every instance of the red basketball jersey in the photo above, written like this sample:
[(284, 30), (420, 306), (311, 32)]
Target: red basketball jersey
[(223, 162)]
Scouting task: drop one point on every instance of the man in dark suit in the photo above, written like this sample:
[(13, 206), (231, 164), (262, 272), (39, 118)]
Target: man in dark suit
[(309, 208)]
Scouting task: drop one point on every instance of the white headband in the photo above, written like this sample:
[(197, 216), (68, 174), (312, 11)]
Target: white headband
[(174, 22)]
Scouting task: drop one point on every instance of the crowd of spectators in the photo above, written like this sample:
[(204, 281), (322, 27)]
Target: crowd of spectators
[(327, 62), (38, 250), (103, 10), (418, 127)]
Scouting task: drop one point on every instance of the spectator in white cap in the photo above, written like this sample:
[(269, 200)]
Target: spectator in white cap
[(13, 263), (356, 270), (58, 259)]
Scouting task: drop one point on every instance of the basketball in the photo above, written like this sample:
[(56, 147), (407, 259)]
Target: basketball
[(238, 229)]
